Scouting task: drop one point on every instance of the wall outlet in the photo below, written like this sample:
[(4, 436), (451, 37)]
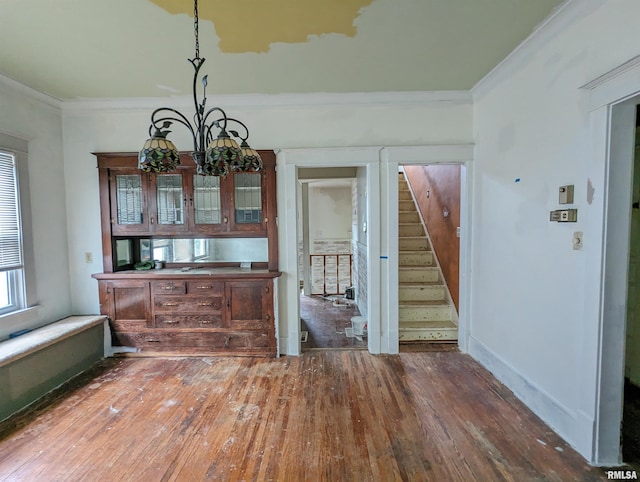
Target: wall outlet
[(88, 257)]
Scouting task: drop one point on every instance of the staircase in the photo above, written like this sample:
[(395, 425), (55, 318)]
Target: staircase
[(426, 311)]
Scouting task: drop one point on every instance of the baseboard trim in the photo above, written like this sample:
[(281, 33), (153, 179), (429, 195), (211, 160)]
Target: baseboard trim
[(558, 417)]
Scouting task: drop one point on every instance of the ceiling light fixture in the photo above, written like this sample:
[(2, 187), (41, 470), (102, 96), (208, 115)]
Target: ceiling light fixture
[(221, 155)]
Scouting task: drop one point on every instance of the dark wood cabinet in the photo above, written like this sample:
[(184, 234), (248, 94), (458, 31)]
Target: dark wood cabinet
[(126, 302), (191, 314), (215, 308), (147, 204)]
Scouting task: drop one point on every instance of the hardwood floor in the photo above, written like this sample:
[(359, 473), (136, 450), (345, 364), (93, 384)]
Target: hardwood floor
[(327, 415), (326, 323)]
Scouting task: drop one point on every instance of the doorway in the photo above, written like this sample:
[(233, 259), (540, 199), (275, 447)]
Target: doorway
[(328, 264), (631, 398), (429, 252)]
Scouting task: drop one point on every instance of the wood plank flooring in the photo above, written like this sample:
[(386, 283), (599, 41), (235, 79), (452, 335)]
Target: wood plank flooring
[(324, 416), (326, 323)]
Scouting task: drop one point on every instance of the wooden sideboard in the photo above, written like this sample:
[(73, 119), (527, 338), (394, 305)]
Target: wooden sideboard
[(202, 304)]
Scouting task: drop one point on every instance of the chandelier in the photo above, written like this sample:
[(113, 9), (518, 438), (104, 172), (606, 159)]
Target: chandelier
[(214, 156)]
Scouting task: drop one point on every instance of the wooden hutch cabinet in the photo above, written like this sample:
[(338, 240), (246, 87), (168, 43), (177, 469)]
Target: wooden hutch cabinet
[(205, 231)]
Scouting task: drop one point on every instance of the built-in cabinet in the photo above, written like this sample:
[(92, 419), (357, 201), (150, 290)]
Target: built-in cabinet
[(148, 204), (200, 304), (209, 313)]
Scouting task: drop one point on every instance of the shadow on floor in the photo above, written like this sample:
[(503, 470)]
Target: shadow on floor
[(327, 321)]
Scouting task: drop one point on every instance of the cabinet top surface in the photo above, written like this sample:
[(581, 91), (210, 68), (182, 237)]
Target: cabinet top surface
[(222, 273)]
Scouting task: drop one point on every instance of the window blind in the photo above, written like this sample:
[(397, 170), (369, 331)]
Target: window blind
[(10, 236)]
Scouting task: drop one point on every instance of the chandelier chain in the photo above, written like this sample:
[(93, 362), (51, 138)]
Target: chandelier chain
[(195, 27)]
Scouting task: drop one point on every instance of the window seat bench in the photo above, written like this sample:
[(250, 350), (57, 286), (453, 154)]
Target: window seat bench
[(33, 364)]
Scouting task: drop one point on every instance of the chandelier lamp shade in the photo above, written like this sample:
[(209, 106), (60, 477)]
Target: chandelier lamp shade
[(215, 149)]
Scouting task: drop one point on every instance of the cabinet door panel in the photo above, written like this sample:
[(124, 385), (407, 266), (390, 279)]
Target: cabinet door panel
[(167, 206), (128, 202), (247, 304), (126, 301), (248, 206), (206, 206)]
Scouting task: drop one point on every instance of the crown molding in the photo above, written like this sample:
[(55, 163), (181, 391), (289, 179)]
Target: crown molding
[(16, 87), (562, 17), (270, 101)]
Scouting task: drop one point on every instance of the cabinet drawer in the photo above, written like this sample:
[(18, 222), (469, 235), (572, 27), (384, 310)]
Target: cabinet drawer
[(128, 325), (168, 287), (194, 304), (202, 342), (213, 320), (205, 287)]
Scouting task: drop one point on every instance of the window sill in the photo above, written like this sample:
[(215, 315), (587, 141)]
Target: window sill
[(18, 320)]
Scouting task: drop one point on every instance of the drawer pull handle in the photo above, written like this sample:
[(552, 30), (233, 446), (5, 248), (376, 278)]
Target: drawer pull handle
[(169, 304), (205, 322), (204, 287), (226, 342), (171, 322), (152, 341), (170, 287), (205, 304)]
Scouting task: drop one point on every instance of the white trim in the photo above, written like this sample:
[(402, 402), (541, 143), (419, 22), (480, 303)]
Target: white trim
[(614, 86), (464, 270), (431, 154), (270, 101), (390, 342), (375, 332), (333, 156), (613, 316), (545, 32), (540, 402), (29, 92)]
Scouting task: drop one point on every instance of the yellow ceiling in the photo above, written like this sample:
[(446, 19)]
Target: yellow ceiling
[(74, 49), (250, 26)]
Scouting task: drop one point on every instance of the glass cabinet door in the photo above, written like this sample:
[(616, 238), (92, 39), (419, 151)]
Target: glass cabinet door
[(247, 199), (128, 210), (206, 200), (169, 199)]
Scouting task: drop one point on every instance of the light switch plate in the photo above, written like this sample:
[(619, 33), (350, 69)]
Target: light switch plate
[(566, 194)]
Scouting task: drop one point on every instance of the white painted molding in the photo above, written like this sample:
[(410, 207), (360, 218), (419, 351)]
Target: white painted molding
[(431, 154), (330, 156), (614, 86), (563, 16), (22, 89), (271, 101), (361, 156)]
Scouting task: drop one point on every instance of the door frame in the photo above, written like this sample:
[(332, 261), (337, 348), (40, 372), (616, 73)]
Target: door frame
[(461, 154), (611, 100), (381, 163), (289, 161)]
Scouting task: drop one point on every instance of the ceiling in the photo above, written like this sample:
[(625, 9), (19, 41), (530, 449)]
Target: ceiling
[(90, 49)]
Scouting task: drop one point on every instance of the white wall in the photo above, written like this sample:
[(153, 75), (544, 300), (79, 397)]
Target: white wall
[(37, 120), (275, 122), (329, 213), (534, 319)]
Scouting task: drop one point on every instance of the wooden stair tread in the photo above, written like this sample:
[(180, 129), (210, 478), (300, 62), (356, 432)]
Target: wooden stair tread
[(430, 303), (420, 325), (417, 267), (419, 284)]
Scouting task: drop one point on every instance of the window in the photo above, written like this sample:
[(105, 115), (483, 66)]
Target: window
[(11, 259)]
